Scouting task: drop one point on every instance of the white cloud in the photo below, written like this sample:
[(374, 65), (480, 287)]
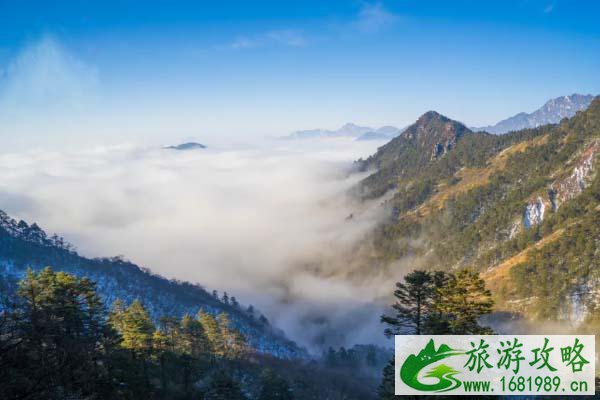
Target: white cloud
[(45, 75), (46, 89), (267, 224), (288, 37), (374, 17), (283, 37)]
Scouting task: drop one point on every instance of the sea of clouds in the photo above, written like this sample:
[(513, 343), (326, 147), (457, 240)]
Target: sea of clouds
[(253, 221), (267, 221)]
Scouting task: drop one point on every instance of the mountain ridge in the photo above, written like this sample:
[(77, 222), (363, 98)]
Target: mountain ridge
[(520, 208), (186, 146), (430, 137), (552, 112), (24, 246), (349, 130)]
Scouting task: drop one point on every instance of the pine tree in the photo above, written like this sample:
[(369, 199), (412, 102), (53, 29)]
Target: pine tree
[(250, 311), (274, 387), (227, 334), (386, 390), (59, 341), (116, 315), (161, 345), (239, 348), (437, 303), (192, 338), (136, 328), (413, 307), (223, 387), (371, 358), (330, 357), (213, 333), (462, 301), (169, 326)]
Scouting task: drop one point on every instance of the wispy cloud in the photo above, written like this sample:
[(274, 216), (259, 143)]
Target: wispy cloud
[(282, 37), (46, 88), (288, 37), (373, 17), (44, 75), (549, 8)]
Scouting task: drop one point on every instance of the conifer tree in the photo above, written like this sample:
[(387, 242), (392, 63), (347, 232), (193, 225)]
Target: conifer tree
[(193, 340), (274, 387), (213, 333), (386, 390), (413, 306), (59, 342), (116, 315), (169, 326), (223, 387), (227, 334), (462, 301), (137, 328)]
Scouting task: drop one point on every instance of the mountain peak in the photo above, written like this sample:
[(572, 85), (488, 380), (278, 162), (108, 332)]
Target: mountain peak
[(349, 129), (186, 146), (428, 139), (552, 112), (436, 124), (429, 115)]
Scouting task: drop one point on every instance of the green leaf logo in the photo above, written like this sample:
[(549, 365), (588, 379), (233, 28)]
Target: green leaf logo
[(412, 366)]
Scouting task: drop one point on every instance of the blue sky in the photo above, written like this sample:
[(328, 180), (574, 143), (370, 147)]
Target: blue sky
[(159, 71)]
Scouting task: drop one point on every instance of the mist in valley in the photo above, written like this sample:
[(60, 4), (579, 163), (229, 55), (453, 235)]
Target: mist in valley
[(272, 224)]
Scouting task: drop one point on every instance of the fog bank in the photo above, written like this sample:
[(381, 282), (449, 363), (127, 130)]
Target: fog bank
[(266, 223)]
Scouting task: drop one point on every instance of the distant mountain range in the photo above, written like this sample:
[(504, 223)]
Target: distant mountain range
[(186, 146), (550, 113), (348, 130)]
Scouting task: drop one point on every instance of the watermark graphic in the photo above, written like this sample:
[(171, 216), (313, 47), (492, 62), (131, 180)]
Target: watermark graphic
[(495, 364)]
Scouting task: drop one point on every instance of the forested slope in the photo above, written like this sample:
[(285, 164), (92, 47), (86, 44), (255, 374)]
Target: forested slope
[(25, 246), (522, 208)]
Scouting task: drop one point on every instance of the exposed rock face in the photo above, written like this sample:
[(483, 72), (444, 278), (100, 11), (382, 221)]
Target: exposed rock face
[(439, 149), (562, 189), (565, 189), (584, 298), (435, 132), (534, 213)]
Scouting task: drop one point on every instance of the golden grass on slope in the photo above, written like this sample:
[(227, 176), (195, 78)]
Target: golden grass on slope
[(470, 178), (496, 276)]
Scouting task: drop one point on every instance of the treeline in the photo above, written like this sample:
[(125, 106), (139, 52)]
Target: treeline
[(364, 361), (57, 341), (33, 233)]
